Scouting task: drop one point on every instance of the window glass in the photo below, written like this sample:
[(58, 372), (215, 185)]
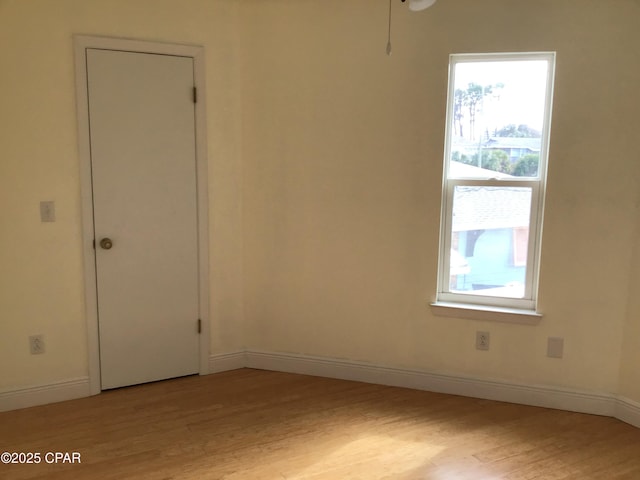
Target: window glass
[(497, 121), (483, 230)]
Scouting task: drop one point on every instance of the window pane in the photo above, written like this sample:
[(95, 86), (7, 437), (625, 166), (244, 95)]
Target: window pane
[(497, 122), (489, 238)]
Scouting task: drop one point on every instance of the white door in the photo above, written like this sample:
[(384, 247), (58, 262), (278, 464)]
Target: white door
[(143, 161)]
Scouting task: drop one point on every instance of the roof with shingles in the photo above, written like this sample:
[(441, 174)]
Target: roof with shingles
[(488, 208)]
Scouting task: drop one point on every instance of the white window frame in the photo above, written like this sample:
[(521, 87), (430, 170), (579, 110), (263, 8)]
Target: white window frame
[(537, 185)]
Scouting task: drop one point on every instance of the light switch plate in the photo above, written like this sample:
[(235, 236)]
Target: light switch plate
[(48, 211), (555, 347)]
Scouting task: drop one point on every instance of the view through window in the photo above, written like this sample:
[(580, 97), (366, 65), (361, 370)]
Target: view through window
[(495, 167)]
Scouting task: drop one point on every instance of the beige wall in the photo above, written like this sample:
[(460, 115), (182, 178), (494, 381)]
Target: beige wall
[(325, 170), (342, 156), (41, 282)]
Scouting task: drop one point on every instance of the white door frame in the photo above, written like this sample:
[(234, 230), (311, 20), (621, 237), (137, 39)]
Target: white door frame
[(81, 43)]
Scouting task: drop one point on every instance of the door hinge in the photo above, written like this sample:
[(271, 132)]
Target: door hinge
[(195, 95), (199, 326), (94, 243)]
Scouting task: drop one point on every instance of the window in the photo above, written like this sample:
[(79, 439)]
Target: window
[(496, 147)]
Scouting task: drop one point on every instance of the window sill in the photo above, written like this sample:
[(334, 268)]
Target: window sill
[(485, 312)]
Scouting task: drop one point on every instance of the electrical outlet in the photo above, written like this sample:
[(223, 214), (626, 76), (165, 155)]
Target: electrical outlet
[(482, 340), (36, 344), (48, 211)]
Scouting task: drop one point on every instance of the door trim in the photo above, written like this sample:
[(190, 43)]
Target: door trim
[(81, 43)]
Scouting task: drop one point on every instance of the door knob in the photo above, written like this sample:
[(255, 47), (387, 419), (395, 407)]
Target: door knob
[(106, 243)]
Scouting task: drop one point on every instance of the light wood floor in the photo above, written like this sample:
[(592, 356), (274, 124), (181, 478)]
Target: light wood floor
[(250, 424)]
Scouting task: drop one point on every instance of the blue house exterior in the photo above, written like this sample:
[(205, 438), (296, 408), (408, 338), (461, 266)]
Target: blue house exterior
[(491, 263)]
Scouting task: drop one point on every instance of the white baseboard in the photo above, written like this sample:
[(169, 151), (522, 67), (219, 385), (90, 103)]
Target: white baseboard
[(595, 403), (628, 411), (42, 394), (536, 395), (223, 362)]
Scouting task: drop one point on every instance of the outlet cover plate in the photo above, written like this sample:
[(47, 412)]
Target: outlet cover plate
[(482, 340), (47, 211), (36, 344)]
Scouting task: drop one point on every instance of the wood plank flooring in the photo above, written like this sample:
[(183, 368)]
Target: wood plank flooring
[(251, 424)]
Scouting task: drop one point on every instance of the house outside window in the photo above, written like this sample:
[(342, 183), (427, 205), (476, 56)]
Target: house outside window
[(496, 150)]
